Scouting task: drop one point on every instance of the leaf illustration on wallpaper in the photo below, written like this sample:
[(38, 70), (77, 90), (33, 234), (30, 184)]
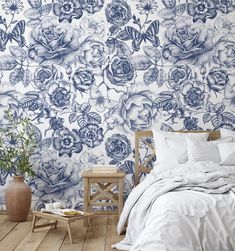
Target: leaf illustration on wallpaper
[(30, 100), (153, 53), (161, 77), (17, 75), (141, 62), (35, 3), (27, 77), (7, 63), (137, 37), (171, 12), (150, 76), (117, 47), (169, 3), (37, 12), (163, 99), (45, 144), (218, 116), (18, 52)]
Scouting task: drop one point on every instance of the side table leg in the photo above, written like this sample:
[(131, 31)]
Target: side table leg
[(69, 232), (86, 199), (120, 199), (56, 222), (92, 226), (33, 223)]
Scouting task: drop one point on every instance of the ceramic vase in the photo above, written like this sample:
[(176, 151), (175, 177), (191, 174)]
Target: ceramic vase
[(18, 199)]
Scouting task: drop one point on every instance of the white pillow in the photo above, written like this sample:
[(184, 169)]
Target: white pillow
[(163, 153), (227, 133), (177, 149), (202, 151), (171, 147), (227, 154), (160, 137), (205, 151), (202, 136)]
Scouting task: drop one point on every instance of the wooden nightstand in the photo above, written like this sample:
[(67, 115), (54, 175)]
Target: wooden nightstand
[(103, 184)]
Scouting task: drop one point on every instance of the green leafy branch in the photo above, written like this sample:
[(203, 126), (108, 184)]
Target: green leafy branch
[(17, 144)]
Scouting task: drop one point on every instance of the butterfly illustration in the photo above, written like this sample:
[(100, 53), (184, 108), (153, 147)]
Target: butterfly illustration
[(137, 37), (16, 34)]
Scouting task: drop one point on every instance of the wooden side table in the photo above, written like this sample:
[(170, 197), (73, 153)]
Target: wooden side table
[(103, 184), (67, 220)]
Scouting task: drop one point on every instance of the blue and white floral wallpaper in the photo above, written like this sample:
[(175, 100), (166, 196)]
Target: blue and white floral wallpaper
[(89, 73)]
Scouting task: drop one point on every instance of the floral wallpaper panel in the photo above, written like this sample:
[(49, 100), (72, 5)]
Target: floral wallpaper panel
[(88, 73)]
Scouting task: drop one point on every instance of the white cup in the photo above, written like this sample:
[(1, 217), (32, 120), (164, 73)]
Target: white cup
[(57, 205), (49, 206)]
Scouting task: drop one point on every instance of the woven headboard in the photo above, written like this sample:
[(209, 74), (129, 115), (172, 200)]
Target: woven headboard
[(141, 137)]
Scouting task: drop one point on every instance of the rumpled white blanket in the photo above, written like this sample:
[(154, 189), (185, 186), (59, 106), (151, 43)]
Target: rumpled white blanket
[(188, 208)]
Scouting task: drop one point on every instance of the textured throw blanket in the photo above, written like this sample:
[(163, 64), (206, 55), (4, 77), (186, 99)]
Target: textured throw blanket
[(206, 177)]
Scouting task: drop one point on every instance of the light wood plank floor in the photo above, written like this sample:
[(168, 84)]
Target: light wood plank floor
[(18, 236)]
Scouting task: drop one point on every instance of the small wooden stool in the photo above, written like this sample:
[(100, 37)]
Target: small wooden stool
[(67, 220), (103, 184)]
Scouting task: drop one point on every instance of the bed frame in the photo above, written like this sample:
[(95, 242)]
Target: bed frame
[(141, 137)]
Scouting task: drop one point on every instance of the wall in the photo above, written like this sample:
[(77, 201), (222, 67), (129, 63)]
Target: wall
[(90, 73)]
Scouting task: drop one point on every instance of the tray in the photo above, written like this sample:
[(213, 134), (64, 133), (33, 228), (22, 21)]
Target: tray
[(67, 212)]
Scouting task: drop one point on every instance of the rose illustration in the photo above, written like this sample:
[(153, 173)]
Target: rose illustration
[(217, 79), (225, 56), (118, 147), (193, 96), (135, 111), (118, 13), (93, 55), (120, 70), (186, 41), (53, 42), (59, 96), (177, 76), (83, 79), (43, 75), (53, 176)]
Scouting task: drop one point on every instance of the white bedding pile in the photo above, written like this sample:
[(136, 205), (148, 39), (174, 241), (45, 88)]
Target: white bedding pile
[(188, 208)]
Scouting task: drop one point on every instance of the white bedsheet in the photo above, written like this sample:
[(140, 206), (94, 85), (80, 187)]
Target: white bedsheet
[(188, 208)]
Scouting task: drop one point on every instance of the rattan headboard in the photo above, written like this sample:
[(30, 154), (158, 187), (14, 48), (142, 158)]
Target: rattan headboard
[(140, 137)]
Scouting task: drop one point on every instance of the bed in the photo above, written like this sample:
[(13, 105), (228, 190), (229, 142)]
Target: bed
[(190, 207)]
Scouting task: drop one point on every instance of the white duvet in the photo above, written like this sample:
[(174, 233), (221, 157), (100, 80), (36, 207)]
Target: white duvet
[(188, 208)]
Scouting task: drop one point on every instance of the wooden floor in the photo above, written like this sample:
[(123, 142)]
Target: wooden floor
[(18, 236)]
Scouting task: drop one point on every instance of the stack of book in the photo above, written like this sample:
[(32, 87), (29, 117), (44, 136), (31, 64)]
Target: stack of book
[(104, 169)]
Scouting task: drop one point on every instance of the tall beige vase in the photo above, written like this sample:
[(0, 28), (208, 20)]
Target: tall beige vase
[(18, 199)]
